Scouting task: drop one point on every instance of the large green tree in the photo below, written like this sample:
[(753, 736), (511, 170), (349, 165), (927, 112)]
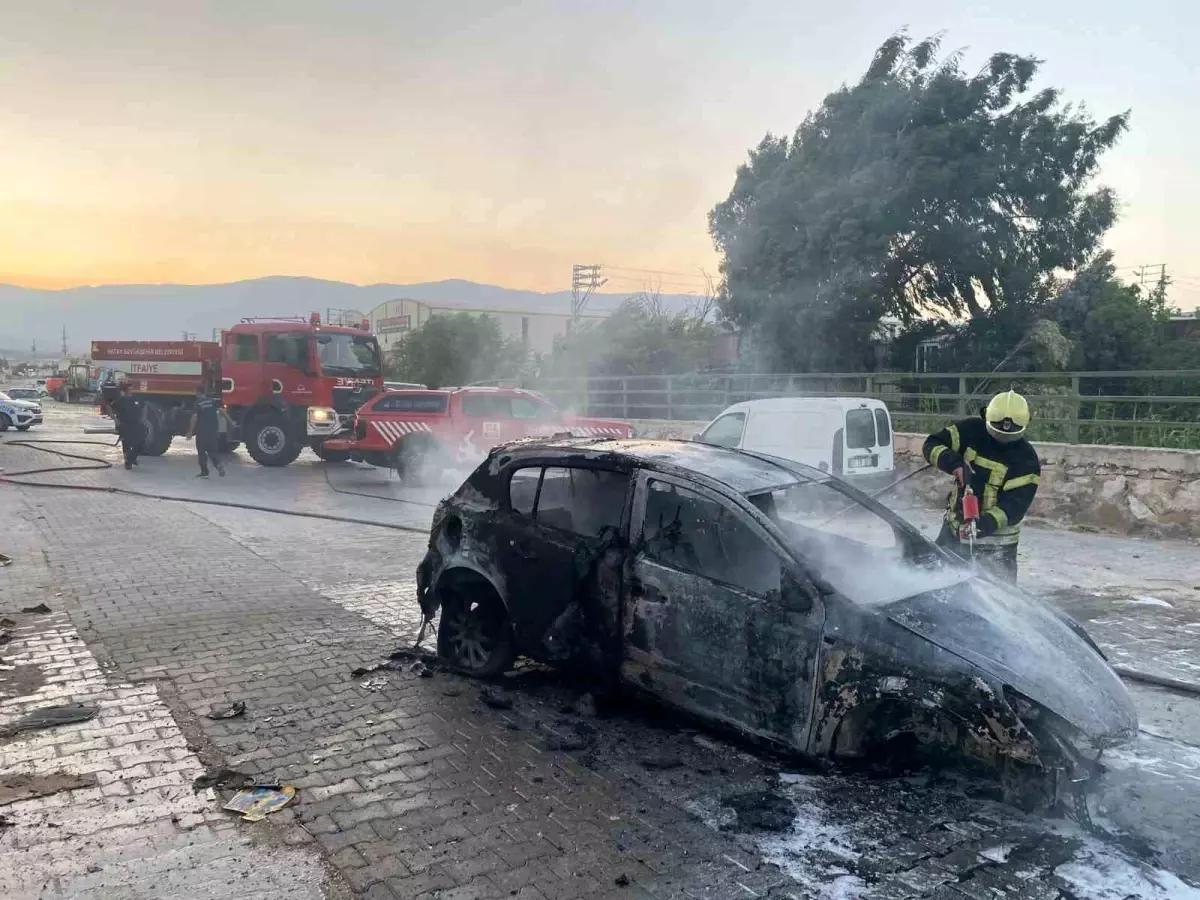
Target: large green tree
[(456, 349), (921, 189)]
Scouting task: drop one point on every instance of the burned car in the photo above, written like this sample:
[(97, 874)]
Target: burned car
[(767, 596)]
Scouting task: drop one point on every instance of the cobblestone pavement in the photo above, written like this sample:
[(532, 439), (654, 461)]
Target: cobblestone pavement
[(118, 816), (410, 786)]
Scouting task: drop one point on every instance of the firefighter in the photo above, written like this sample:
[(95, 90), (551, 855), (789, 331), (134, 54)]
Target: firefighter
[(206, 426), (129, 412), (991, 455)]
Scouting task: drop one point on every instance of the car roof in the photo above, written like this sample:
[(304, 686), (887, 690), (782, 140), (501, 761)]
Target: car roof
[(786, 404), (746, 473)]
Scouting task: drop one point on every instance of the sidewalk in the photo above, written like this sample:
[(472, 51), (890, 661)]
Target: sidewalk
[(132, 827)]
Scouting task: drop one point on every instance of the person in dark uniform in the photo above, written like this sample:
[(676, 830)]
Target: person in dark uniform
[(206, 426), (992, 456), (129, 412)]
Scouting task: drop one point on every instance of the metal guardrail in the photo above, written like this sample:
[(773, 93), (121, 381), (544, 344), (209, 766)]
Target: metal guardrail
[(1152, 408)]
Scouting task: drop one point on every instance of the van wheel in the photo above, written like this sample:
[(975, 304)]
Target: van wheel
[(270, 443), (474, 632)]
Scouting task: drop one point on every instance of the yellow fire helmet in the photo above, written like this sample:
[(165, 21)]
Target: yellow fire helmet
[(1007, 417)]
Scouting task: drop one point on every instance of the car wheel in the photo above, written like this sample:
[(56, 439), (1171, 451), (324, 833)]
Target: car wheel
[(474, 632), (269, 442), (23, 428), (418, 460), (5, 422)]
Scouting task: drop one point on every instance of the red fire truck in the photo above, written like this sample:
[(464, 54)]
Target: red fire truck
[(287, 383)]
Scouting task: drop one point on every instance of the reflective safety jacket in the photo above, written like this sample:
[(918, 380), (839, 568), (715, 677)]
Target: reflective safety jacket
[(1004, 477)]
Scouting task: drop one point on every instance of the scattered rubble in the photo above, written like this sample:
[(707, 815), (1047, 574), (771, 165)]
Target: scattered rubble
[(259, 802), (52, 716), (760, 811), (227, 710), (229, 779), (495, 697), (24, 786)]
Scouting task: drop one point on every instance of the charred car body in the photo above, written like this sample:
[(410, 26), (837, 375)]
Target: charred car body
[(767, 596)]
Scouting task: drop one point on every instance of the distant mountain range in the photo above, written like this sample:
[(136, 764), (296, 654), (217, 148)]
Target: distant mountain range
[(166, 311)]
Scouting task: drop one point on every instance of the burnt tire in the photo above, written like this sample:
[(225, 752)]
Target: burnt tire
[(270, 442), (156, 439), (475, 634), (418, 460)]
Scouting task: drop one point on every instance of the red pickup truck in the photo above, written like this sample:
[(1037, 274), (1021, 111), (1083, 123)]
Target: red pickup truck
[(419, 432)]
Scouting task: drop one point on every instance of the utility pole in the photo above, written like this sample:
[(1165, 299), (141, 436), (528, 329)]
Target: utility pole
[(34, 351), (64, 344), (584, 282), (1153, 273)]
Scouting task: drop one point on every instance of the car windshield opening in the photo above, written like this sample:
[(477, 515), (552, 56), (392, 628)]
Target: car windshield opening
[(856, 550), (353, 355)]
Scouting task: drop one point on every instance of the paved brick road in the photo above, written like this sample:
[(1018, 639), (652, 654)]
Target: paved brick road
[(411, 787)]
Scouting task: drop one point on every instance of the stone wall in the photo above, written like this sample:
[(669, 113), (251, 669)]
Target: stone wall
[(1125, 490)]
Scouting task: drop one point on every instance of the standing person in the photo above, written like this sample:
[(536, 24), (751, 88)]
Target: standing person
[(129, 412), (992, 456), (206, 426)]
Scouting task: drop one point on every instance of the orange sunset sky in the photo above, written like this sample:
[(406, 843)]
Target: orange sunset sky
[(367, 141)]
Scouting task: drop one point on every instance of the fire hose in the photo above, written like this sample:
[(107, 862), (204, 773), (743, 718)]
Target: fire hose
[(19, 479)]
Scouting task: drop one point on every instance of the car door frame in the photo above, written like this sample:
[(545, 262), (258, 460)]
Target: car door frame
[(531, 627), (645, 673)]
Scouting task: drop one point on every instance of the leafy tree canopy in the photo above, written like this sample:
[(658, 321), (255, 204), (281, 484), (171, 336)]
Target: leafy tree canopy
[(456, 349), (921, 189)]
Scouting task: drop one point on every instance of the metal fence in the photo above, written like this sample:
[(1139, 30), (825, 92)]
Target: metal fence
[(1148, 409)]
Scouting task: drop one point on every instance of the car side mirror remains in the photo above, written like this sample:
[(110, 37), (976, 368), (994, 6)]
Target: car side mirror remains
[(795, 597)]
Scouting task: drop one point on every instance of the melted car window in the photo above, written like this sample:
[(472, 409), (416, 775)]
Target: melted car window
[(698, 534), (522, 490), (849, 545), (583, 501)]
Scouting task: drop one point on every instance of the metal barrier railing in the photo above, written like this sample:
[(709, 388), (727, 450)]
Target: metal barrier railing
[(1153, 409)]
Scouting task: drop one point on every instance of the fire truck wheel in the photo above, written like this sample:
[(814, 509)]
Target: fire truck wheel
[(158, 435), (269, 442), (418, 460), (474, 633)]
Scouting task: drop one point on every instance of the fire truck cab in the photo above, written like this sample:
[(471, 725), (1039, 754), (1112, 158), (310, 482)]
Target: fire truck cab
[(291, 383)]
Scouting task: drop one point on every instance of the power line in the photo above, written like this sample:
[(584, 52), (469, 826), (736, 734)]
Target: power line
[(698, 277)]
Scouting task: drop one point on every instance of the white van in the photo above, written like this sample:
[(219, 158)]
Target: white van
[(848, 436)]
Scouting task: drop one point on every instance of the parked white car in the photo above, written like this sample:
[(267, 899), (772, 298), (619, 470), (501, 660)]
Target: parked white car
[(19, 414), (847, 436)]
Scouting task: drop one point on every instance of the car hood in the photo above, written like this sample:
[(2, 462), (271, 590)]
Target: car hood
[(1027, 645), (21, 404)]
